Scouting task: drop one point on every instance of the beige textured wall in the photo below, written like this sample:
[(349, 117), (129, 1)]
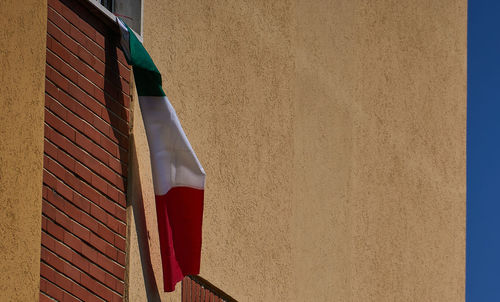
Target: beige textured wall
[(333, 136), (22, 73)]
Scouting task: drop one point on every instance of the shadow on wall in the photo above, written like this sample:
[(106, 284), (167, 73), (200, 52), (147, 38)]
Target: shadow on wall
[(134, 191), (135, 203)]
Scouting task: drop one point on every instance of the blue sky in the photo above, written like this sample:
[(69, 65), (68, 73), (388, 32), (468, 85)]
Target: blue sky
[(483, 152)]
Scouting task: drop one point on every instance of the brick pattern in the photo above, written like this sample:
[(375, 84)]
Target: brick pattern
[(197, 289), (87, 102)]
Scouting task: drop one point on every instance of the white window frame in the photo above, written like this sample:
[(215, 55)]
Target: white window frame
[(109, 15)]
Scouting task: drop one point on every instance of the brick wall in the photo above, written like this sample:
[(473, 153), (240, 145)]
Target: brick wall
[(85, 158)]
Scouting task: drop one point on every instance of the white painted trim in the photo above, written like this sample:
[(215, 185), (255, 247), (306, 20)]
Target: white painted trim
[(103, 10), (142, 20), (97, 5)]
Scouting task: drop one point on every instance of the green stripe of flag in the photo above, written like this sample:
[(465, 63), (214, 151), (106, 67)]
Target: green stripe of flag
[(147, 77)]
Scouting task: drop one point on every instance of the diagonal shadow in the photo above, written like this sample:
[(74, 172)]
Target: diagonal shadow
[(134, 190), (135, 203)]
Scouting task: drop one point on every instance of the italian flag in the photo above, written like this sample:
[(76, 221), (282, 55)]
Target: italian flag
[(178, 176)]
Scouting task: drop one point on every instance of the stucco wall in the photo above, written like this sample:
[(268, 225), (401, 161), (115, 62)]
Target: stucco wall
[(22, 60), (333, 137)]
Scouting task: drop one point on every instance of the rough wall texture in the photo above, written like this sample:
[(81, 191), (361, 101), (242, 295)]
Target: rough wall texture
[(333, 136), (22, 61), (379, 141)]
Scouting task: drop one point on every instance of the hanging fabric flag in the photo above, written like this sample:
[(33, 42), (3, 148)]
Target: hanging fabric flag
[(178, 176)]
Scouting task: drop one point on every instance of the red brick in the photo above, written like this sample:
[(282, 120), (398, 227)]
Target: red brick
[(52, 260), (72, 272), (54, 167), (47, 240), (102, 246), (53, 291), (76, 33), (124, 72), (89, 31), (58, 49), (86, 86), (46, 271), (62, 250), (97, 288), (73, 182), (97, 272), (70, 298), (99, 183), (82, 171), (110, 266), (98, 213), (99, 38), (54, 107), (73, 242), (122, 199), (72, 31), (90, 194), (111, 281), (55, 199), (92, 133), (73, 211), (68, 285), (81, 262), (112, 177), (62, 67), (89, 222), (49, 180), (65, 160), (109, 146), (55, 230), (56, 138), (80, 232), (116, 226), (55, 4), (118, 167), (105, 233), (61, 37), (51, 89), (120, 242), (100, 67), (44, 298), (112, 193), (83, 294), (48, 210), (53, 16), (119, 271), (107, 205), (63, 220), (58, 124), (120, 213), (81, 202), (122, 229), (90, 162), (120, 287), (114, 120), (92, 148), (89, 111), (75, 121), (121, 57), (70, 15), (63, 281), (64, 191), (45, 192), (185, 289)]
